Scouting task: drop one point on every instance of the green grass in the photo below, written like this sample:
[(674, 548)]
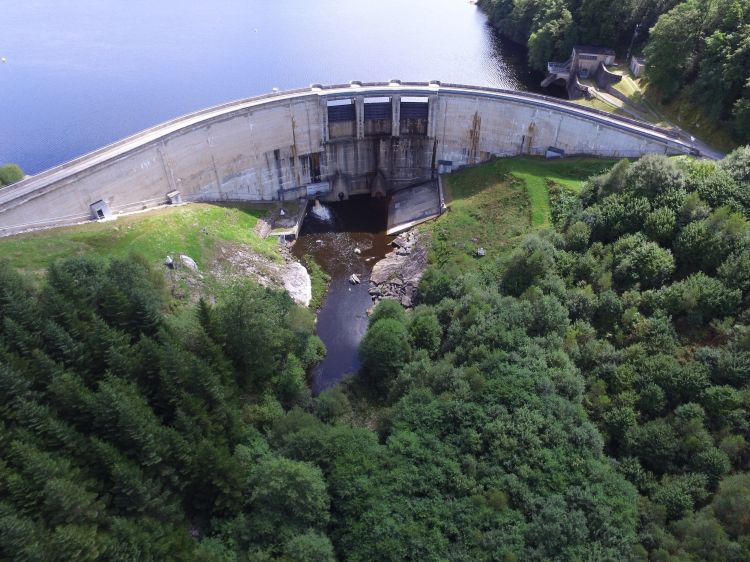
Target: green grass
[(683, 112), (538, 172), (627, 86), (196, 230), (496, 204), (596, 103), (319, 280)]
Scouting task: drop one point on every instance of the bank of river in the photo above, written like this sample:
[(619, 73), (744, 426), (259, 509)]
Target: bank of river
[(356, 224)]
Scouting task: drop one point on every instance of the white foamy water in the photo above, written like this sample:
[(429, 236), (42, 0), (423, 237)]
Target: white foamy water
[(321, 212)]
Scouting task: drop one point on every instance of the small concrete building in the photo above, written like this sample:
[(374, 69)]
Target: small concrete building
[(100, 210), (586, 59), (637, 66)]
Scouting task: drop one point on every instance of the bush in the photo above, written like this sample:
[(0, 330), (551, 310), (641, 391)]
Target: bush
[(737, 164), (436, 284), (706, 244), (660, 225), (692, 208), (678, 494), (425, 331), (654, 175), (534, 260), (617, 215), (720, 189), (735, 271), (331, 404), (286, 498), (10, 173), (732, 504), (654, 443), (309, 547), (384, 351), (638, 260), (699, 299), (577, 236), (315, 351), (388, 308), (712, 462)]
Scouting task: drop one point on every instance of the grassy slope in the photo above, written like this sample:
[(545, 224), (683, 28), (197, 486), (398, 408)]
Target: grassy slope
[(194, 230), (680, 111), (496, 204), (537, 172)]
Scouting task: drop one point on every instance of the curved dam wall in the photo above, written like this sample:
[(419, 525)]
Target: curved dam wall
[(329, 141)]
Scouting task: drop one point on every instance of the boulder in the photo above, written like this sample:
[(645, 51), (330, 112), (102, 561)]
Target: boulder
[(188, 262), (297, 282)]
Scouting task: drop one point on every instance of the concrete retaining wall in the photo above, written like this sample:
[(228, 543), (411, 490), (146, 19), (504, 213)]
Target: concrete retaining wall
[(259, 148)]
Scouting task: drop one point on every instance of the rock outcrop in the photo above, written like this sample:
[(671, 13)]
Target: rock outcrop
[(398, 274), (237, 260)]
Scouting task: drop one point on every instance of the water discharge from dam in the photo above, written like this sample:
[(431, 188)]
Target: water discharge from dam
[(357, 223)]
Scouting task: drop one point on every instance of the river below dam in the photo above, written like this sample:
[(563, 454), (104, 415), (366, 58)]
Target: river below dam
[(80, 75), (349, 239)]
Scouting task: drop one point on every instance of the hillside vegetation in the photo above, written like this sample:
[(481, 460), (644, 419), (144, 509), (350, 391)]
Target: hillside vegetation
[(580, 393), (695, 49), (597, 381)]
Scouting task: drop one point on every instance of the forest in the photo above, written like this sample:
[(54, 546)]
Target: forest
[(584, 397), (699, 48)]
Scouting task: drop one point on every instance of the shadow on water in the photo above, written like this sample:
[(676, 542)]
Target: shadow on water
[(508, 64), (357, 223)]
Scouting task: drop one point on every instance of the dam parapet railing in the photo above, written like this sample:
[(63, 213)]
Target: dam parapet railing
[(292, 147)]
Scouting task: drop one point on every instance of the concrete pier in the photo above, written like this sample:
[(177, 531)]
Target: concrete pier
[(355, 138)]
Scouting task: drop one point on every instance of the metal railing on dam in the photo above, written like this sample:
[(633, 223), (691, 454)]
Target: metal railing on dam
[(353, 138)]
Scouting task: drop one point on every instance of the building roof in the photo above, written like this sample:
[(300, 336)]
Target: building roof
[(593, 50)]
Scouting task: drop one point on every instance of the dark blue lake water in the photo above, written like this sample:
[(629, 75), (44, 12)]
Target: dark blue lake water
[(82, 73)]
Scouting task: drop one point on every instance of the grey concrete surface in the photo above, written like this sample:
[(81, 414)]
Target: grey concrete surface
[(259, 148), (413, 205)]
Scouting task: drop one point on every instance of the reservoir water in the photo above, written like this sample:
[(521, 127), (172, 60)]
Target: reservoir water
[(80, 74)]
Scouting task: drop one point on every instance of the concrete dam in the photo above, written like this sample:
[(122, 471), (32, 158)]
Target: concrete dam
[(328, 142)]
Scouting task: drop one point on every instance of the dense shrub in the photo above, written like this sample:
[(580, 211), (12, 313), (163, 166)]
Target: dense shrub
[(638, 260), (10, 173), (699, 299), (384, 351)]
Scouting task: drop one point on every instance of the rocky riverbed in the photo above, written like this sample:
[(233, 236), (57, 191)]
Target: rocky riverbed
[(397, 275)]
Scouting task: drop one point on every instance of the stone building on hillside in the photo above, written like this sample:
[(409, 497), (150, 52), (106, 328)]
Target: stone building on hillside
[(585, 62)]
